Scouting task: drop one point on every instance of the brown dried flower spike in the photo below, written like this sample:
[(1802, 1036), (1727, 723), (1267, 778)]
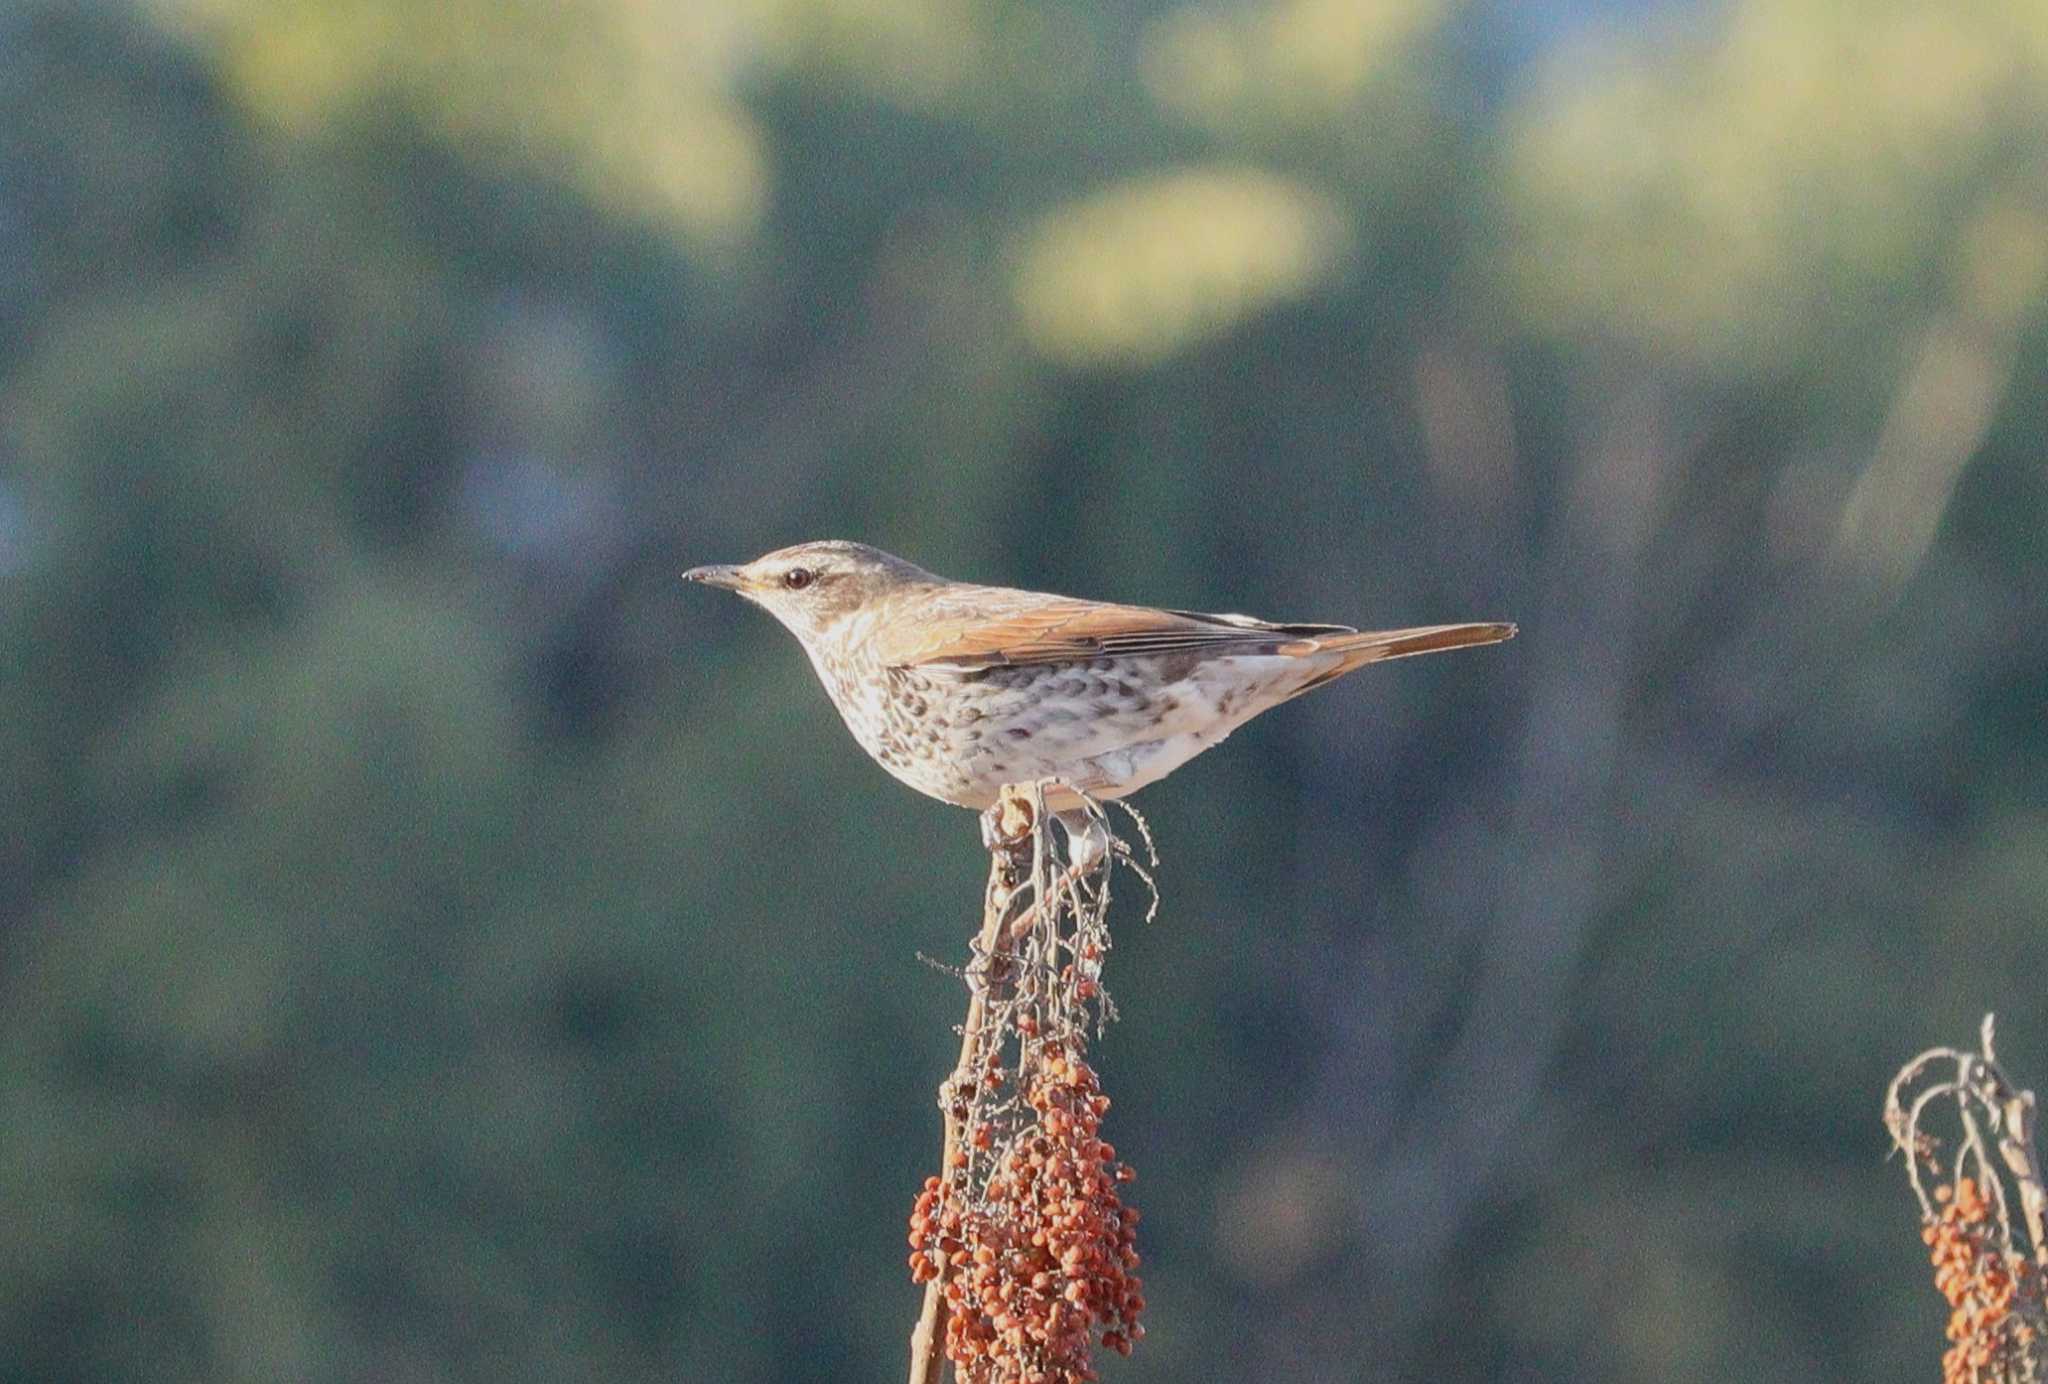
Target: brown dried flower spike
[(1026, 1248), (1044, 1265), (1996, 1318), (1991, 1291)]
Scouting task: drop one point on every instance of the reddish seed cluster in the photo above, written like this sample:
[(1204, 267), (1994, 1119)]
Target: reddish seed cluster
[(1991, 1291), (1043, 1264)]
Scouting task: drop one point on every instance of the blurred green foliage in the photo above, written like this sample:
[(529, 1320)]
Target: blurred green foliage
[(438, 947)]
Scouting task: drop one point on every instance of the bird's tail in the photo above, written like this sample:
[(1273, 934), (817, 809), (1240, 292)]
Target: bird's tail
[(1371, 646)]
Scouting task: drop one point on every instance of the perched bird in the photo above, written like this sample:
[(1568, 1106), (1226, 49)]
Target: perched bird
[(959, 689)]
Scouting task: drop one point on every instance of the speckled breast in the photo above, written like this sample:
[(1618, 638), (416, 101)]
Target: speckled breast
[(1103, 725)]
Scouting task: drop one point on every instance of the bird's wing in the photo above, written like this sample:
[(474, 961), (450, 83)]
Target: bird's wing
[(1057, 629)]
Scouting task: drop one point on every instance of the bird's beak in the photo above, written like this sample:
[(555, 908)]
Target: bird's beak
[(717, 574)]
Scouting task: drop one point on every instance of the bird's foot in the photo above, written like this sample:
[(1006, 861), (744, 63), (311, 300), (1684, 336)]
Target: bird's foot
[(1007, 823)]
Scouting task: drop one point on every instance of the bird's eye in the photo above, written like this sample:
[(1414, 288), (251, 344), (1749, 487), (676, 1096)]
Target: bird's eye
[(797, 578)]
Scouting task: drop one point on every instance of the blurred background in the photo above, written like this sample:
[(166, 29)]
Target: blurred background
[(438, 946)]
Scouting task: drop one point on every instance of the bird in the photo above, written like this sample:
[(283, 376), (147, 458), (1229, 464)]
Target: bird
[(959, 690)]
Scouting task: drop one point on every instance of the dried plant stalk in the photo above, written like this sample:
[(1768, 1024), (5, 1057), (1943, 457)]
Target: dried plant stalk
[(1991, 1276), (1022, 1240)]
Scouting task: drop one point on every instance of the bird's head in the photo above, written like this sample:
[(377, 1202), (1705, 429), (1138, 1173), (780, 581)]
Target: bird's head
[(813, 586)]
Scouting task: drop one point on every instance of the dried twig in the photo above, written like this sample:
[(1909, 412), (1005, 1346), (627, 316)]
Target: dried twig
[(1998, 1324), (2016, 1145), (1012, 832), (1021, 1108)]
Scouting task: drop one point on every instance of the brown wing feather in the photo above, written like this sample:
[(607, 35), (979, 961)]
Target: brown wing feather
[(1056, 629)]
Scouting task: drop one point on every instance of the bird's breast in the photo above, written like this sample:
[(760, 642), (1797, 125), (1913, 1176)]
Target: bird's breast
[(1108, 725)]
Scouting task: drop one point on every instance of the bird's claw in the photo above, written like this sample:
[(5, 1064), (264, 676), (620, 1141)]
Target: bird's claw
[(1008, 823)]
